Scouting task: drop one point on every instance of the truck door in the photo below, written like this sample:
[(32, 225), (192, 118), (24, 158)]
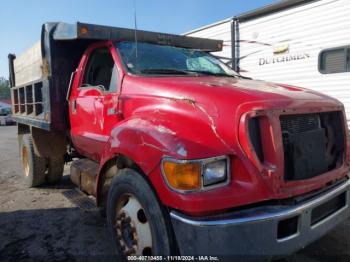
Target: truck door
[(94, 102)]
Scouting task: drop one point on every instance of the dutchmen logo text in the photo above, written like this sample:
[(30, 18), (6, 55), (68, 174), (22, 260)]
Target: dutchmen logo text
[(283, 58)]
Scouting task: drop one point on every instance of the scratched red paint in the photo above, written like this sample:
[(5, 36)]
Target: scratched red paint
[(192, 118)]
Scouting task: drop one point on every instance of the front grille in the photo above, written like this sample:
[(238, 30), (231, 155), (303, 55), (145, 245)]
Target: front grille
[(313, 144), (300, 123)]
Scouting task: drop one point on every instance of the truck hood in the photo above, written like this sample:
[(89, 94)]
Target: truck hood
[(234, 89), (217, 105)]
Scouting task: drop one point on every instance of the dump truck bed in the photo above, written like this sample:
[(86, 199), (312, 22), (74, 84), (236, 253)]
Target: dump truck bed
[(40, 77)]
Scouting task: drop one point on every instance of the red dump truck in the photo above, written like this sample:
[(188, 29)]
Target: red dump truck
[(186, 156)]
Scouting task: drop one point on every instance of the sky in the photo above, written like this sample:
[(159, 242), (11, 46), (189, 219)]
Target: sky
[(21, 20)]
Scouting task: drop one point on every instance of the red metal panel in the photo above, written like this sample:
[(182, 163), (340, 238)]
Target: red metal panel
[(199, 117)]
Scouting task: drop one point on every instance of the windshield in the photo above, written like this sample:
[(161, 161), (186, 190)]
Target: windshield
[(161, 59)]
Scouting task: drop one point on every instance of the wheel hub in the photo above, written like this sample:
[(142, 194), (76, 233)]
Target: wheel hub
[(25, 160), (133, 230), (126, 234)]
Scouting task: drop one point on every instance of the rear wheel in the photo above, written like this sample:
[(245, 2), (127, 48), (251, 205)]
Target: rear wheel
[(34, 166), (137, 221), (55, 166)]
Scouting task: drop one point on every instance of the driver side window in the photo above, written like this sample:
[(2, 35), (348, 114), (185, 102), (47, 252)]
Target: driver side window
[(101, 70)]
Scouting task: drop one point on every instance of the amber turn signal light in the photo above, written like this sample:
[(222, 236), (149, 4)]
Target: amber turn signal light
[(183, 176)]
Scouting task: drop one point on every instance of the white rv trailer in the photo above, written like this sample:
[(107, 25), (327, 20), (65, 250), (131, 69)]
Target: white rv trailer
[(297, 42)]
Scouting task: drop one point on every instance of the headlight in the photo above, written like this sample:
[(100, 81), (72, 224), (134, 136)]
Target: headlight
[(215, 172), (194, 175)]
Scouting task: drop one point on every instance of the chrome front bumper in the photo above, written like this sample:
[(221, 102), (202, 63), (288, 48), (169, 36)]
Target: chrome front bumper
[(269, 231)]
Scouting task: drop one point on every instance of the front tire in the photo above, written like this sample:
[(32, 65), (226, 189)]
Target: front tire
[(34, 166), (138, 223)]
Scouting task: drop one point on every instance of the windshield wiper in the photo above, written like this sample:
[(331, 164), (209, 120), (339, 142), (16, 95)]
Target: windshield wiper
[(210, 73), (171, 71), (167, 71)]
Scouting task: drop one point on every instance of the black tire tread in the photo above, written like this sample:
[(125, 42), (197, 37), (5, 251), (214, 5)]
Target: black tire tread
[(37, 165)]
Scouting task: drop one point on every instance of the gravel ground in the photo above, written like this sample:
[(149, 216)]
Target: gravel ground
[(41, 224)]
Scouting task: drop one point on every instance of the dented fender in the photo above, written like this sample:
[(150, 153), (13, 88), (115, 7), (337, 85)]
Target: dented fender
[(182, 129)]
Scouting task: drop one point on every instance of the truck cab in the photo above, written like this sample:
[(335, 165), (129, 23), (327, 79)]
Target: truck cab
[(186, 156)]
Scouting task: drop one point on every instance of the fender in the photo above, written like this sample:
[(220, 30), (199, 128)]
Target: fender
[(153, 134)]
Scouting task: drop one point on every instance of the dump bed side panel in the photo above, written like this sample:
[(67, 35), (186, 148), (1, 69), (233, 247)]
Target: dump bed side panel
[(31, 104), (28, 67), (31, 96), (38, 94)]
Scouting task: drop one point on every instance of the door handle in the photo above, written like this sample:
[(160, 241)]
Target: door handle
[(74, 106)]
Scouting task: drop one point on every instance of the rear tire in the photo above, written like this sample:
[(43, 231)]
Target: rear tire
[(137, 221), (34, 166), (55, 166)]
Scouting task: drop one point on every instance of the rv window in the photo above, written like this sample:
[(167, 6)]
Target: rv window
[(334, 61)]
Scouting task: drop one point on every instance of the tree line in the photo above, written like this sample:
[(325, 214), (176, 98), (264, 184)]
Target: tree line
[(4, 88)]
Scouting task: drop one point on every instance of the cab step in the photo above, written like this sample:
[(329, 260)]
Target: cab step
[(83, 174)]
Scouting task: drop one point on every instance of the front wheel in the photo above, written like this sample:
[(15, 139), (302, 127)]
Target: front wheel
[(137, 221)]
